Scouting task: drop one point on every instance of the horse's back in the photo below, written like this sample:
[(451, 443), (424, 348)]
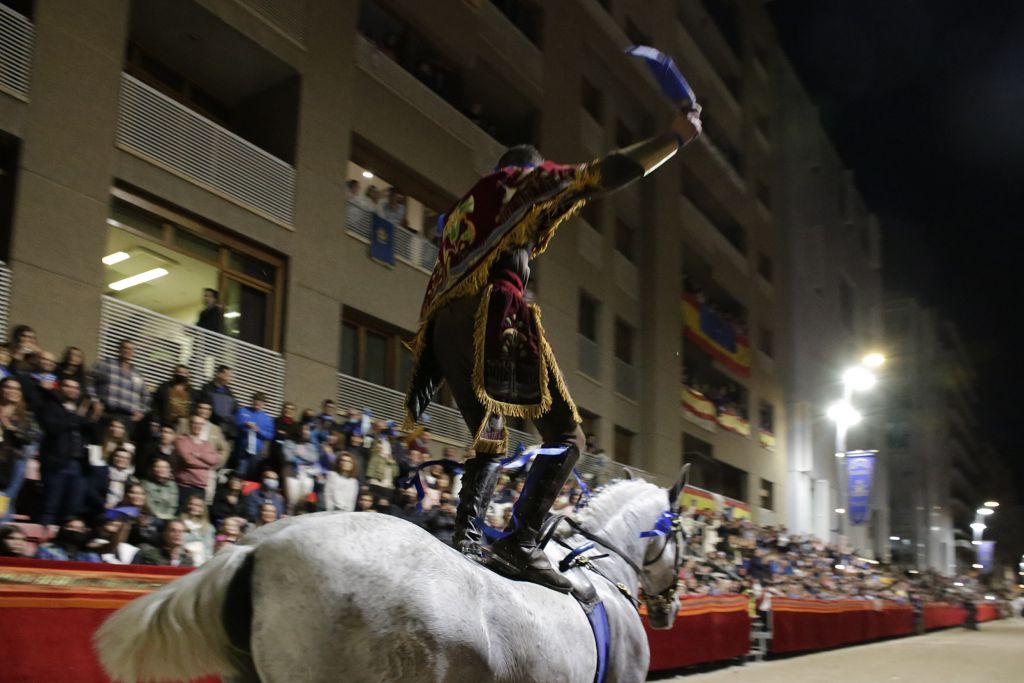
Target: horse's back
[(369, 597)]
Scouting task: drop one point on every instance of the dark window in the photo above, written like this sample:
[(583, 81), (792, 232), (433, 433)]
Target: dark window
[(587, 323), (593, 100), (525, 15), (9, 151), (592, 214), (764, 266), (623, 341), (767, 495), (623, 445), (764, 194), (623, 135), (764, 127), (767, 417), (372, 350), (766, 342), (723, 14), (702, 197), (349, 349), (625, 239)]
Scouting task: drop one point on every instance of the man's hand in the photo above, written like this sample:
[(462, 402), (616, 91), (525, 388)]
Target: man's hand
[(687, 125)]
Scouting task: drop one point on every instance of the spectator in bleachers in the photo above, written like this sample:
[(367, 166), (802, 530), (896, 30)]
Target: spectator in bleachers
[(301, 468), (255, 430), (213, 435), (211, 317), (120, 386), (152, 451), (174, 399), (266, 514), (23, 343), (392, 207), (286, 426), (381, 469), (111, 480), (268, 492), (69, 544), (161, 491), (143, 527), (109, 540), (72, 364), (229, 501), (440, 521), (217, 392), (199, 532), (171, 550), (341, 489), (13, 542), (115, 437), (67, 428), (20, 440), (5, 363), (365, 502), (194, 460)]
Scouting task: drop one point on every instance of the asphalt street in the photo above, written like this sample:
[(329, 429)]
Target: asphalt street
[(993, 654)]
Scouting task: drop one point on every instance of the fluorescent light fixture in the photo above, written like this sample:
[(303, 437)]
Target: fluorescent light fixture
[(913, 571), (958, 584), (873, 360), (984, 512), (138, 279), (367, 175), (978, 566), (991, 504), (116, 257), (894, 538), (859, 378), (840, 511), (232, 314)]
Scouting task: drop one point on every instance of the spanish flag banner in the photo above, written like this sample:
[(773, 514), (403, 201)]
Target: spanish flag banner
[(733, 422), (698, 409), (706, 328), (766, 439), (701, 499)]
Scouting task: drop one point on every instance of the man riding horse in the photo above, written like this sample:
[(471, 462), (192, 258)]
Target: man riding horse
[(478, 333)]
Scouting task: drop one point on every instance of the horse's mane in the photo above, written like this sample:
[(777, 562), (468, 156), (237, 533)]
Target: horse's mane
[(610, 500)]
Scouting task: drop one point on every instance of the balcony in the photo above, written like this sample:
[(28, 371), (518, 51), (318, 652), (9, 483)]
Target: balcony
[(16, 37), (588, 357), (287, 17), (625, 379), (161, 343), (168, 134), (410, 248)]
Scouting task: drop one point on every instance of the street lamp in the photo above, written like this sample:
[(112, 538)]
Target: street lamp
[(985, 512), (842, 412), (991, 504), (873, 360)]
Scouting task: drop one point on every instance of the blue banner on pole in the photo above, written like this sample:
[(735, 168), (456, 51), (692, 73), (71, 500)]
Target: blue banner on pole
[(382, 241), (860, 466), (986, 555)]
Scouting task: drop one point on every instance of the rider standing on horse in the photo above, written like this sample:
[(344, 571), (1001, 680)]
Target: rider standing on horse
[(478, 333)]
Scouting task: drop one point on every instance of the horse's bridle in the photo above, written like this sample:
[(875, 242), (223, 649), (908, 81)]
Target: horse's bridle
[(662, 600)]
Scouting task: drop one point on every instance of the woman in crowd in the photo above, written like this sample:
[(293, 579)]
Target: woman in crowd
[(301, 468), (13, 542), (22, 344), (145, 528), (72, 366), (267, 514), (342, 487), (229, 502), (199, 532), (20, 439), (109, 540), (115, 437), (162, 491), (109, 482)]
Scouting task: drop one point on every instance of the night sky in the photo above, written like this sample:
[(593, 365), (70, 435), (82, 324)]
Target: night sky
[(925, 101)]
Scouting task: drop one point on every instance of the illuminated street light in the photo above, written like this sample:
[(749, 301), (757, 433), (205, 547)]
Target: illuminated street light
[(843, 414), (858, 378), (991, 504), (985, 512), (978, 566), (840, 511), (958, 584), (978, 526), (873, 360), (894, 538)]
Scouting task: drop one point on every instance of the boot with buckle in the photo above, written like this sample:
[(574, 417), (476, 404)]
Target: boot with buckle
[(478, 483)]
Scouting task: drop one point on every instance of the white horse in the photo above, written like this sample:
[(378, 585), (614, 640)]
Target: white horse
[(364, 597)]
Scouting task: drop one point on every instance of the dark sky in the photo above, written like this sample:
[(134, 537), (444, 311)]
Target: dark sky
[(925, 101)]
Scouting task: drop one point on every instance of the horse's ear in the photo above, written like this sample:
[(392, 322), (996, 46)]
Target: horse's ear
[(677, 488), (627, 473)]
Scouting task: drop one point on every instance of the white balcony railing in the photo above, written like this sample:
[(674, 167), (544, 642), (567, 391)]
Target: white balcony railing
[(388, 404), (410, 247), (5, 298), (16, 37), (287, 16), (588, 357), (625, 379), (162, 343), (169, 134)]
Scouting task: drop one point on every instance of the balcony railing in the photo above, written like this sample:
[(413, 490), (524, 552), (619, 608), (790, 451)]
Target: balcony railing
[(161, 343), (172, 136), (287, 16), (389, 404), (625, 379), (588, 356), (5, 298), (410, 248), (16, 37)]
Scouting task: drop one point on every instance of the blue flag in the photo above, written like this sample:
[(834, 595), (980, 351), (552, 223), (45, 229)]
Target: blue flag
[(664, 70), (860, 466), (382, 241)]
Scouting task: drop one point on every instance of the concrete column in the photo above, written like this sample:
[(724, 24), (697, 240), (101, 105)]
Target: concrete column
[(314, 297), (67, 167)]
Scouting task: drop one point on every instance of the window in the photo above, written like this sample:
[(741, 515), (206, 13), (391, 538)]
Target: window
[(766, 341), (623, 341), (593, 100), (764, 194), (9, 150), (624, 137), (591, 213), (193, 255), (625, 239), (623, 445), (766, 417), (587, 323), (525, 15), (372, 350), (767, 495), (764, 266), (846, 304), (591, 425), (703, 198)]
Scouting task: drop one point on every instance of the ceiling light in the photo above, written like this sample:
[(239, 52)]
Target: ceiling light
[(232, 314), (116, 257), (138, 279), (367, 175)]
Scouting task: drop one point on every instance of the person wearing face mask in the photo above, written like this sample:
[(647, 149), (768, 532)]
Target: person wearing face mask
[(268, 492), (69, 544)]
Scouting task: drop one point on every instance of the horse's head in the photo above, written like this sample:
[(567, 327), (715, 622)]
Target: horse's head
[(663, 557)]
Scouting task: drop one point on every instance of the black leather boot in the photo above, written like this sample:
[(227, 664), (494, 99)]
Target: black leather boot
[(478, 482), (517, 555)]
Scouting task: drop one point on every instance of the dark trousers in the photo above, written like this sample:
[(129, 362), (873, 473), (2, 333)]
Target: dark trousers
[(63, 492), (453, 348)]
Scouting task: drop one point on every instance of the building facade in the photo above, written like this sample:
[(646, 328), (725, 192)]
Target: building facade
[(154, 148)]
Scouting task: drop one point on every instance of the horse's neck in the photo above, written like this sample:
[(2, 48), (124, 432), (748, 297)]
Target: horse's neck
[(625, 540)]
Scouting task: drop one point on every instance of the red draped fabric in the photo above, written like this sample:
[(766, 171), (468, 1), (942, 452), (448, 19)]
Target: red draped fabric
[(987, 611), (819, 624), (942, 615), (707, 629)]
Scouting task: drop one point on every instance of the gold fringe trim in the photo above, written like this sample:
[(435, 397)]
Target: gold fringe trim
[(552, 365), (490, 446), (528, 411), (588, 176)]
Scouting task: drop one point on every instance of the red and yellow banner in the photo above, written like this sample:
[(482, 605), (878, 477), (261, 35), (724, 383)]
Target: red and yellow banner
[(766, 439), (698, 409), (706, 328), (701, 499), (733, 422)]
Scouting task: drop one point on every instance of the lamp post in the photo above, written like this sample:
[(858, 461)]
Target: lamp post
[(978, 527)]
